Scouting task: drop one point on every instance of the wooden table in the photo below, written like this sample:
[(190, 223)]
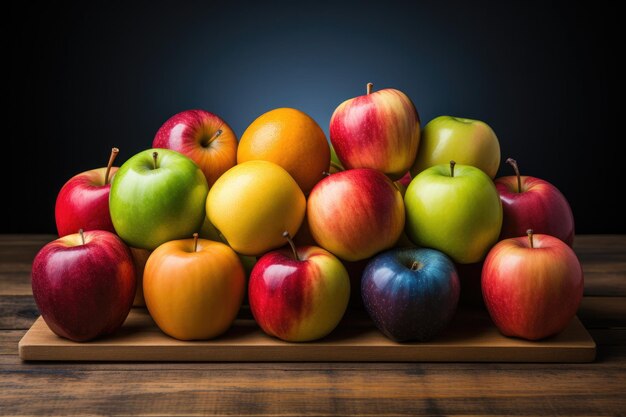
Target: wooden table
[(320, 388)]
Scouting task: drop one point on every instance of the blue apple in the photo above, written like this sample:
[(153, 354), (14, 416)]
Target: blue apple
[(410, 293)]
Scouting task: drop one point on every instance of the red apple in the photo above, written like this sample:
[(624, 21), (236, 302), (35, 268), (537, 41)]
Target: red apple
[(299, 295), (529, 202), (84, 284), (532, 286), (379, 130), (83, 202), (203, 137), (355, 213)]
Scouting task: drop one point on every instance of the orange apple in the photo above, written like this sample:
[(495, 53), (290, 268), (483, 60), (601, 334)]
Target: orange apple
[(193, 288)]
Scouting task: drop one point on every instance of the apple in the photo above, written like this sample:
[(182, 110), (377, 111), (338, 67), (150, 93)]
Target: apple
[(529, 202), (252, 204), (355, 214), (380, 130), (193, 288), (300, 296), (532, 286), (140, 257), (410, 293), (466, 141), (83, 202), (203, 137), (455, 209), (158, 195), (84, 284)]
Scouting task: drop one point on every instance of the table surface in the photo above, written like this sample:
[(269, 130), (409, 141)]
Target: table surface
[(87, 388)]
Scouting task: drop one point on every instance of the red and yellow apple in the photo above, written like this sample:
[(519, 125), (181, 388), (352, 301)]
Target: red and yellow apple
[(380, 130), (298, 295), (83, 202), (529, 202), (193, 288), (532, 286), (203, 137), (355, 214)]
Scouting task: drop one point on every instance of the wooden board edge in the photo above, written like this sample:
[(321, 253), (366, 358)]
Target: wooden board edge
[(305, 353)]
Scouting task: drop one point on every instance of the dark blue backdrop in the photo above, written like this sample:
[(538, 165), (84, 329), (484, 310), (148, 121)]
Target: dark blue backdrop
[(89, 76)]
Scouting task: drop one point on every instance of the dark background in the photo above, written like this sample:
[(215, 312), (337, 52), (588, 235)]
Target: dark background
[(85, 77)]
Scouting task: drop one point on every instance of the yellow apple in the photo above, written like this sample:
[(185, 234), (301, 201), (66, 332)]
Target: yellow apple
[(253, 203)]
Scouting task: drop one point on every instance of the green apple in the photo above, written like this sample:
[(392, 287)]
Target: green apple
[(158, 195), (455, 209), (466, 141)]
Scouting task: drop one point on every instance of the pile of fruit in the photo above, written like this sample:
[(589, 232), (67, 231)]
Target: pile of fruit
[(391, 215)]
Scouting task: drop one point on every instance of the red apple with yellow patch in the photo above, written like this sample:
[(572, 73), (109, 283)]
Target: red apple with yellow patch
[(380, 130)]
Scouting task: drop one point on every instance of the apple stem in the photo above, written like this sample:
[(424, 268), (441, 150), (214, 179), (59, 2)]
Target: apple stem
[(369, 88), (215, 136), (513, 163), (155, 155), (195, 242), (452, 164), (82, 235), (336, 166), (114, 153), (529, 232), (293, 246), (415, 266)]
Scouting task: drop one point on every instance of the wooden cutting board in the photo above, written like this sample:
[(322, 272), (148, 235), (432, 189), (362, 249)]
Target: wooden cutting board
[(471, 337)]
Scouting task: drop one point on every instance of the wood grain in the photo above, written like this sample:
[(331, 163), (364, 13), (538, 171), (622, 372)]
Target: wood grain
[(153, 388), (471, 337), (411, 390)]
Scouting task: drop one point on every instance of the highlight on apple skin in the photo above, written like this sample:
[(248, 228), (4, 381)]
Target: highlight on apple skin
[(379, 130), (203, 137), (533, 203), (355, 214), (300, 294), (83, 202), (84, 284), (532, 286)]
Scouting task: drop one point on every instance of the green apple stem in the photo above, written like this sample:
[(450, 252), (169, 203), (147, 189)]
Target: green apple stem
[(513, 163), (415, 266), (82, 235), (369, 88), (529, 232), (205, 144), (114, 153), (452, 164), (155, 155), (293, 246), (338, 167), (195, 242)]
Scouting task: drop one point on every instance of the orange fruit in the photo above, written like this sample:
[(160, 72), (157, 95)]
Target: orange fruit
[(289, 138)]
